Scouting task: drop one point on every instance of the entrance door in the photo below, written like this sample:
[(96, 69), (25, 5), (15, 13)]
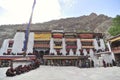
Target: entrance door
[(41, 53)]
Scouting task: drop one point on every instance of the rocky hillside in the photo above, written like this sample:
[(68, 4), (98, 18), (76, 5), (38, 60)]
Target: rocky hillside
[(92, 23)]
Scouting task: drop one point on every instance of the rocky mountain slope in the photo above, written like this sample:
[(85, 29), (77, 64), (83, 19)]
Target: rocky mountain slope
[(90, 23)]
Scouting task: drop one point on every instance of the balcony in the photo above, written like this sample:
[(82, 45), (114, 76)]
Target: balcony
[(42, 45)]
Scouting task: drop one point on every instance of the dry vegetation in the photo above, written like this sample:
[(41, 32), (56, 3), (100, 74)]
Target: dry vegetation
[(92, 23)]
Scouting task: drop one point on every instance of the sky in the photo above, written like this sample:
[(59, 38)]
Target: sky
[(18, 11)]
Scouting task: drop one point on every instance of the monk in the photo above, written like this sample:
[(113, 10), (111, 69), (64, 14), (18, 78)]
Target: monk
[(10, 72)]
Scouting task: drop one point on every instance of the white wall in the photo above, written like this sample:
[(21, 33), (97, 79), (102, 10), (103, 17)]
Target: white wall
[(112, 54), (102, 44), (18, 42), (85, 52), (30, 43), (63, 47), (78, 44), (51, 45), (4, 46)]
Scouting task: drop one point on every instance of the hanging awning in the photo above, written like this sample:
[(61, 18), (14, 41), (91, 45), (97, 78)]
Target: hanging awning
[(115, 39), (47, 39), (71, 40), (57, 47), (58, 40), (86, 40), (70, 33), (87, 47)]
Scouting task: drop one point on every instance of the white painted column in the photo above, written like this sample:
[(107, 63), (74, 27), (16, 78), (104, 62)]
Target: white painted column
[(51, 46), (95, 44), (63, 46), (84, 52), (71, 52), (102, 44), (112, 54), (30, 43), (19, 39), (91, 53), (78, 47)]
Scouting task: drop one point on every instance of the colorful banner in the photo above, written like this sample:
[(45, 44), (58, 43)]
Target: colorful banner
[(42, 36)]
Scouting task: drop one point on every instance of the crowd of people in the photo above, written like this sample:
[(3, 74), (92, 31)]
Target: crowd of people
[(83, 63), (70, 62), (22, 68), (109, 64), (36, 63)]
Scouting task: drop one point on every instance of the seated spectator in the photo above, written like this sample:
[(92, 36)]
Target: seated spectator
[(18, 70), (10, 72), (37, 63), (25, 68)]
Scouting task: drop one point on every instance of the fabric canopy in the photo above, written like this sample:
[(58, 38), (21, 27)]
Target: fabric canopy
[(115, 39)]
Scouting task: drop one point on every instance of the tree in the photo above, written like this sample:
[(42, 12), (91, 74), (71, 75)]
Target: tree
[(115, 29)]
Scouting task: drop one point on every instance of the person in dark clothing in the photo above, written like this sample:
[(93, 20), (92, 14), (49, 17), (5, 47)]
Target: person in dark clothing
[(92, 63), (107, 64), (17, 69), (10, 72), (87, 63), (37, 63), (25, 68), (104, 63), (110, 64), (29, 67), (113, 62)]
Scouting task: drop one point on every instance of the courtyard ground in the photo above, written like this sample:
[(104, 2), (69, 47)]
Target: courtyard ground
[(66, 73)]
